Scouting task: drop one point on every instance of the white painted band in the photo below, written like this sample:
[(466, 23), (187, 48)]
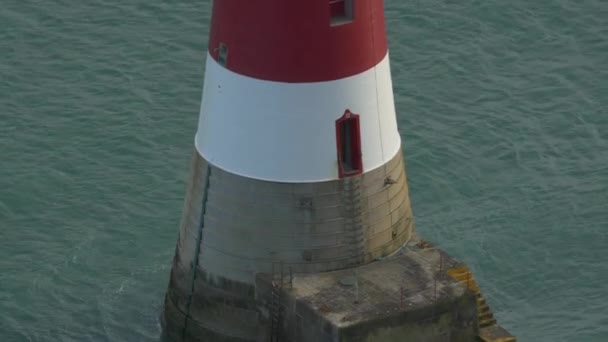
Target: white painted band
[(286, 131)]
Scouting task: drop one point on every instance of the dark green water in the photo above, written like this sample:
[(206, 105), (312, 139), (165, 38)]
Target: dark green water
[(503, 112)]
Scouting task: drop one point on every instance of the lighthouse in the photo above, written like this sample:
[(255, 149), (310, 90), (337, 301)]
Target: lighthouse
[(297, 169)]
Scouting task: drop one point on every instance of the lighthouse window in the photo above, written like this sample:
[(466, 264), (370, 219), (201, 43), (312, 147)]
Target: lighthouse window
[(341, 11), (348, 140), (222, 54)]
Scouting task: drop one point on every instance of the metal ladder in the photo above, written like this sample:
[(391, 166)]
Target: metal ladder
[(199, 238), (353, 223), (275, 304)]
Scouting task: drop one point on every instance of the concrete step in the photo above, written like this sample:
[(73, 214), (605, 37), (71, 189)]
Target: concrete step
[(462, 277), (475, 289), (485, 316), (487, 322), (472, 286), (482, 309)]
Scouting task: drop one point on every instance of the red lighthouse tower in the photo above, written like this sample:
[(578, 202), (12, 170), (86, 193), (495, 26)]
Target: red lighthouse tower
[(297, 156), (298, 91), (297, 163)]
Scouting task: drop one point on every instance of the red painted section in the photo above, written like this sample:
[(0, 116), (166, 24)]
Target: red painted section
[(337, 8), (294, 41), (354, 130)]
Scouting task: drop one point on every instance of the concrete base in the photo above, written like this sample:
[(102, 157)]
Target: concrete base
[(402, 298), (409, 296), (234, 228), (219, 309), (342, 240)]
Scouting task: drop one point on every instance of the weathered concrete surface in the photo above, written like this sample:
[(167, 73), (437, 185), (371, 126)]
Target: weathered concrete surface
[(219, 310), (249, 224), (234, 227), (401, 298)]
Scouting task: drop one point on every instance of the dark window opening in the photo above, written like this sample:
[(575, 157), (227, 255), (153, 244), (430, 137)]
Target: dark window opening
[(348, 138), (341, 11), (222, 54)]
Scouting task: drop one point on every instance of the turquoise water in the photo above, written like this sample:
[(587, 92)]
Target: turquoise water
[(503, 113)]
